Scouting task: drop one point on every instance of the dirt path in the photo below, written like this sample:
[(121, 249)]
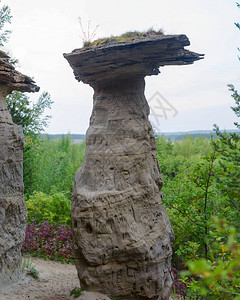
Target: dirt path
[(55, 282)]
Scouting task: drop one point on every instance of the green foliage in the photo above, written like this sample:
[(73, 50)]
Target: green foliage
[(29, 115), (28, 267), (219, 276), (51, 165), (5, 17), (141, 34), (236, 97), (49, 171), (192, 198), (55, 208), (76, 292), (230, 162), (194, 193), (238, 26), (174, 157)]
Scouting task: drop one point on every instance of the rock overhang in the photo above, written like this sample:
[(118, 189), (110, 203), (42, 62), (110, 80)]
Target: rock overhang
[(11, 79), (142, 57)]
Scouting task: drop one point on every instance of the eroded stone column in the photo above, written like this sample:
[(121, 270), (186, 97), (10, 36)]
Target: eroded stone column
[(13, 212), (121, 232), (122, 235)]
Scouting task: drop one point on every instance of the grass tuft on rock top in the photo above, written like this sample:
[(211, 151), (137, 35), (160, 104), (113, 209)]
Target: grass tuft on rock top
[(126, 37)]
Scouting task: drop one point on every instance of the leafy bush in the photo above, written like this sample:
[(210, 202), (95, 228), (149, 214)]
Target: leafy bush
[(56, 208), (179, 286), (191, 199), (175, 157), (219, 276), (195, 191), (49, 241)]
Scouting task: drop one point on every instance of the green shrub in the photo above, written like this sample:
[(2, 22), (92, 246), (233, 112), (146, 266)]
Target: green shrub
[(51, 164), (76, 292), (55, 208), (29, 267), (219, 276), (192, 197)]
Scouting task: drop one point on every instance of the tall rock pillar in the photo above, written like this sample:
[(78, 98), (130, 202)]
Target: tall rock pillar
[(122, 235), (13, 212)]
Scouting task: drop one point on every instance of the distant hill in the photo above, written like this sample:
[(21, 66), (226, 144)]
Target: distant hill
[(194, 133), (74, 137), (77, 138)]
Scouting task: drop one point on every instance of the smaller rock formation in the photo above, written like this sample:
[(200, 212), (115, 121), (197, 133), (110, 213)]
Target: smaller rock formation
[(12, 204)]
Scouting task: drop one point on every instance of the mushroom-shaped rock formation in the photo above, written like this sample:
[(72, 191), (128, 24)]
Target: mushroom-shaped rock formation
[(121, 232), (12, 204)]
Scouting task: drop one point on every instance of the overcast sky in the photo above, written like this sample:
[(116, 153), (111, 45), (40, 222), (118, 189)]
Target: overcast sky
[(196, 95)]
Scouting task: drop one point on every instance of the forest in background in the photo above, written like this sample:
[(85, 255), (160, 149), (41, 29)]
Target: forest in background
[(78, 138)]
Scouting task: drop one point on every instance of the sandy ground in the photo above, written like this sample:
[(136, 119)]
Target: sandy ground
[(55, 282)]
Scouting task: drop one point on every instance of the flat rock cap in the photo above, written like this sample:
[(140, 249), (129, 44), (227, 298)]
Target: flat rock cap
[(140, 57), (13, 79)]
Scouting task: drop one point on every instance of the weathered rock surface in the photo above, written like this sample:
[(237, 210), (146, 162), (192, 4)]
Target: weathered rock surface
[(122, 235), (11, 79), (98, 65), (12, 203), (92, 296)]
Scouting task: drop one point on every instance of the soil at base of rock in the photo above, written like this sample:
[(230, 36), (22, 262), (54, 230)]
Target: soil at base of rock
[(56, 281)]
